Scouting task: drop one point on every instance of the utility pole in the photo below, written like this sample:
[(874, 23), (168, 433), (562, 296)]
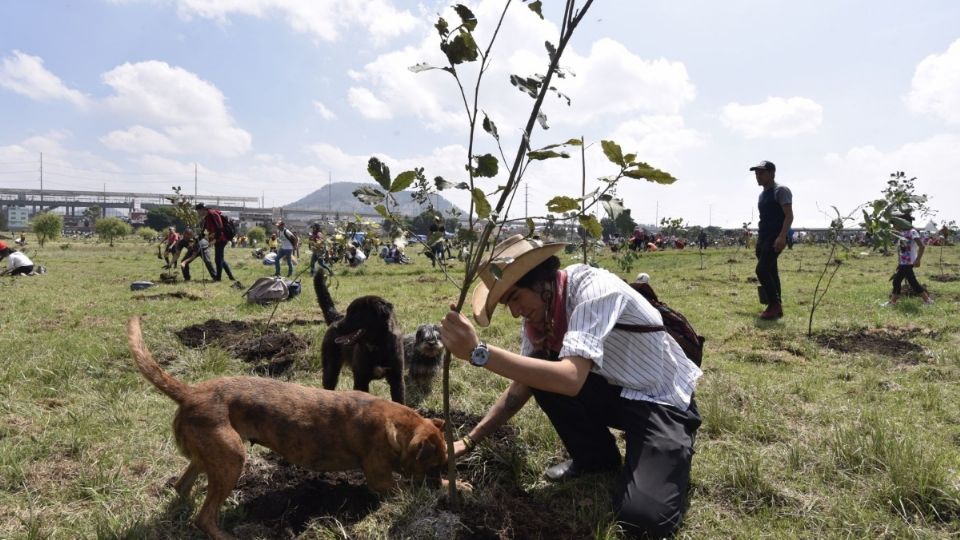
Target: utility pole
[(656, 219), (526, 201), (329, 191), (41, 181), (194, 181), (710, 219)]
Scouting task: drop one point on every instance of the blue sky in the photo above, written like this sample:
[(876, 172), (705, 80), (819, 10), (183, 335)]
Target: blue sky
[(273, 97)]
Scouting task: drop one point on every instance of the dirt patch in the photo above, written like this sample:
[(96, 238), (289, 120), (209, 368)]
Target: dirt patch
[(890, 342), (280, 500), (270, 349), (944, 278), (180, 295)]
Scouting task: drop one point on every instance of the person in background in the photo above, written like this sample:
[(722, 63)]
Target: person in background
[(910, 249), (193, 248), (318, 250), (273, 243), (211, 221), (168, 244), (588, 374), (289, 243), (18, 264), (776, 217)]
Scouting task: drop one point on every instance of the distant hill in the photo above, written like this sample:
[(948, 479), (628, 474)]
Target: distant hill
[(339, 197)]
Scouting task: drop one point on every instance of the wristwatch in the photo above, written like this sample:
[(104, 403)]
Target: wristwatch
[(480, 355)]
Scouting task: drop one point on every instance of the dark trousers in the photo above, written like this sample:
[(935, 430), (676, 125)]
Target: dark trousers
[(651, 488), (22, 270), (767, 273), (905, 271), (205, 257), (220, 262)]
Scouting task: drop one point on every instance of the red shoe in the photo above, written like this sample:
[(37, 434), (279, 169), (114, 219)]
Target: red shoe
[(772, 313)]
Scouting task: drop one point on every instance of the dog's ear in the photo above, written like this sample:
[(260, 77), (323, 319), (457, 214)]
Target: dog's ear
[(392, 439), (426, 452), (438, 422), (384, 309)]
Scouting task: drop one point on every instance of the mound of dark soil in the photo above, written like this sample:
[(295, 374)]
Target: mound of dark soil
[(282, 499), (271, 350), (891, 342), (944, 278)]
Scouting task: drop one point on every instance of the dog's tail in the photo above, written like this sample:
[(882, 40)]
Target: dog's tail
[(175, 389), (330, 313)]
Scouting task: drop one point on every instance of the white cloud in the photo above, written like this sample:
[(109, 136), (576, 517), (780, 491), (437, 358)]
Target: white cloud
[(935, 88), (776, 118), (323, 111), (184, 114), (860, 174), (26, 75), (325, 20), (369, 105), (658, 140)]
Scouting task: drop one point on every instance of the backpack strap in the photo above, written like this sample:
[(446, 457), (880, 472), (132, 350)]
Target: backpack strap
[(640, 328)]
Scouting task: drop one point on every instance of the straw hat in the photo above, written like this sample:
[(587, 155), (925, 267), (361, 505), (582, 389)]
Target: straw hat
[(513, 257)]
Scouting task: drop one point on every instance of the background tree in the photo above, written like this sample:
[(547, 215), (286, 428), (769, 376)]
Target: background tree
[(257, 234), (92, 214), (147, 234), (111, 228), (947, 231), (672, 227), (182, 208), (835, 237), (162, 217), (47, 226)]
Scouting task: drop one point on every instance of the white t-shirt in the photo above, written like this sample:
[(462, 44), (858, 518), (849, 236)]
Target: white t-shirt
[(16, 259), (908, 247), (649, 366), (285, 242)]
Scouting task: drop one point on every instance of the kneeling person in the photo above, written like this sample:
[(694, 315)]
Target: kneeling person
[(17, 263), (588, 375)]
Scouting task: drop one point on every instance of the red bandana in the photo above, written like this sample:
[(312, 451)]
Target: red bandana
[(558, 316)]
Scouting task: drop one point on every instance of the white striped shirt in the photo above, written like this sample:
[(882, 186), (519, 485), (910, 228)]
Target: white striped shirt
[(649, 366)]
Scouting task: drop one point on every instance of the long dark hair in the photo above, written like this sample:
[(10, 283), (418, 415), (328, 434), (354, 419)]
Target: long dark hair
[(540, 279)]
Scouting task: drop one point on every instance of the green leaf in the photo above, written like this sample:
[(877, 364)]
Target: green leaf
[(460, 49), (562, 203), (551, 50), (900, 223), (467, 18), (574, 142), (369, 195), (422, 66), (592, 226), (528, 85), (480, 203), (380, 172), (403, 181), (382, 210), (613, 152), (442, 27), (490, 127), (442, 184), (542, 118), (487, 166), (531, 228), (642, 171), (545, 154), (630, 158), (537, 7)]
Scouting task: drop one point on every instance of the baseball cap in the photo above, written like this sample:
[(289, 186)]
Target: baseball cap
[(764, 166)]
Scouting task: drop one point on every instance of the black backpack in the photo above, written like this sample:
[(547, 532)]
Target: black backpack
[(229, 228), (674, 323)]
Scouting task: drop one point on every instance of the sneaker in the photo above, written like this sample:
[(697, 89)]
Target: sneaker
[(888, 304), (928, 301)]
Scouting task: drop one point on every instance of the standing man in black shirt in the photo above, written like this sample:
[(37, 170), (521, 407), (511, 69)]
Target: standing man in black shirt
[(776, 217)]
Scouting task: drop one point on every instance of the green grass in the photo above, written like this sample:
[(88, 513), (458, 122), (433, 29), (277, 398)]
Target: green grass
[(799, 440)]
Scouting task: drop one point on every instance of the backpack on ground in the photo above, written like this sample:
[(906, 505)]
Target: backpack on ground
[(268, 289), (674, 323)]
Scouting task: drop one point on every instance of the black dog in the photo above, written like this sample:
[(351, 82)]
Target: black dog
[(367, 337), (423, 354)]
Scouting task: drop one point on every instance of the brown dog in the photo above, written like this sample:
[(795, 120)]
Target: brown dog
[(317, 429)]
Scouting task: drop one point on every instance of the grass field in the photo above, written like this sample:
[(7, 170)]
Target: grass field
[(851, 433)]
